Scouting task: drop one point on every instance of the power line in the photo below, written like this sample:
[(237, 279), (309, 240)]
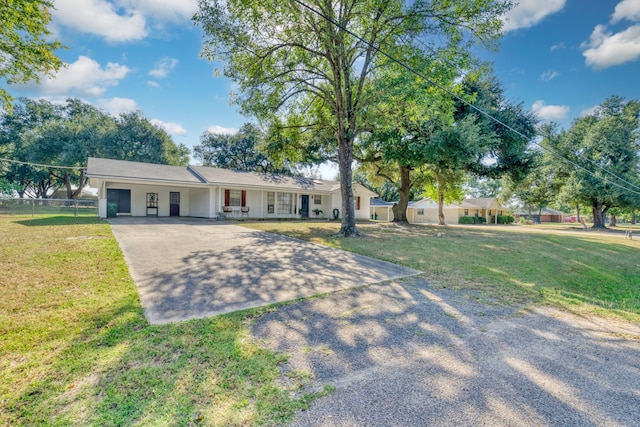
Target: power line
[(450, 93), (41, 165)]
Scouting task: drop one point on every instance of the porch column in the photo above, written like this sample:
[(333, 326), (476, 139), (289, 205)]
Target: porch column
[(212, 202), (261, 203)]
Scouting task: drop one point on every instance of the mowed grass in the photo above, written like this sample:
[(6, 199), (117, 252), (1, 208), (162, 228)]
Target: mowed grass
[(75, 348), (587, 272)]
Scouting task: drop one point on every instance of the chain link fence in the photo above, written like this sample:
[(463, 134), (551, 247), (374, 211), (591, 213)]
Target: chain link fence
[(33, 207)]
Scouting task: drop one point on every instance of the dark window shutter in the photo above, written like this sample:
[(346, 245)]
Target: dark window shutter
[(227, 197), (358, 203), (244, 198)]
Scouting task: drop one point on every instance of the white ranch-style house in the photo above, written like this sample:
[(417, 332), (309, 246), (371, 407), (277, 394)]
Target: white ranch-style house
[(147, 189)]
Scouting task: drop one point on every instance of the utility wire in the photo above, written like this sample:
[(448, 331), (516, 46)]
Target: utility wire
[(41, 165), (593, 162), (447, 91)]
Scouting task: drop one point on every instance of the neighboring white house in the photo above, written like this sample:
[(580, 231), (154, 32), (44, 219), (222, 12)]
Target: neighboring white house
[(425, 211), (146, 189)]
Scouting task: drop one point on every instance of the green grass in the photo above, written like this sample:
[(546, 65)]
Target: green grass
[(75, 348), (586, 272)]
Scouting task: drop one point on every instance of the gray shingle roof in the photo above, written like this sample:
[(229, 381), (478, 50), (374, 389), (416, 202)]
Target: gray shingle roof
[(121, 169), (380, 202), (261, 180)]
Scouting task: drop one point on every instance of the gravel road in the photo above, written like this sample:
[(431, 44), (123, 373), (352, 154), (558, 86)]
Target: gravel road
[(404, 353)]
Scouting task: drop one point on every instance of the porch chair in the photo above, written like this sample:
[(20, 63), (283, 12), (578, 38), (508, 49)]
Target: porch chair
[(244, 211), (227, 210)]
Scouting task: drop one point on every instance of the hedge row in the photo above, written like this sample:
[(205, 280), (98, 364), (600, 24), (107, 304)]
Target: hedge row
[(505, 219), (472, 220), (502, 219)]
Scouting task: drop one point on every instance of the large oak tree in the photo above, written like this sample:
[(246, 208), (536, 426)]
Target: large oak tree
[(300, 70)]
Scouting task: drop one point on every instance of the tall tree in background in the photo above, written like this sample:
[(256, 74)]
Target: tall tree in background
[(64, 136), (310, 79), (137, 139), (25, 51), (240, 151), (606, 144)]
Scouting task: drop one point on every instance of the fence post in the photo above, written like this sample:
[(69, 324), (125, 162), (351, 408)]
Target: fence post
[(76, 202), (33, 208)]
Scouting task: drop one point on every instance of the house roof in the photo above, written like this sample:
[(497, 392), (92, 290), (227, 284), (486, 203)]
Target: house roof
[(536, 211), (380, 202), (430, 204), (125, 170), (122, 169), (254, 179), (480, 202)]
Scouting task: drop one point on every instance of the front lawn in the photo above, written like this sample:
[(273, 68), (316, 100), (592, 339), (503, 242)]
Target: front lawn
[(587, 272), (75, 348)]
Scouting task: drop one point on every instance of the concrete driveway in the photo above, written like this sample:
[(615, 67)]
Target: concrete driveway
[(188, 268)]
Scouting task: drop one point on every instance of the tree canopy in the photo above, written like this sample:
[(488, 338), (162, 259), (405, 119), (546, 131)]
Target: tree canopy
[(25, 48), (64, 136), (597, 159), (300, 71), (240, 151), (435, 150)]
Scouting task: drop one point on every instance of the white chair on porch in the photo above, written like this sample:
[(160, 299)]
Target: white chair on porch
[(244, 211)]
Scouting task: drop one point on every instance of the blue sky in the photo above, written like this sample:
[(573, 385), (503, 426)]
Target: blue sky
[(558, 57)]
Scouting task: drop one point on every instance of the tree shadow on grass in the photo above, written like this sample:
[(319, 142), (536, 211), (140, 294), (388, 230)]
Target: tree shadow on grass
[(59, 220)]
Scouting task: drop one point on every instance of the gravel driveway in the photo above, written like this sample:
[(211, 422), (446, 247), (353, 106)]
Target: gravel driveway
[(405, 353)]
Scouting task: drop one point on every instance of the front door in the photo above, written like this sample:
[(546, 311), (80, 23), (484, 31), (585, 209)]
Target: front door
[(304, 207), (174, 204)]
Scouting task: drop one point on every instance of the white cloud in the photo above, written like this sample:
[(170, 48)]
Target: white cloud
[(163, 67), (589, 111), (120, 20), (153, 84), (172, 128), (549, 75), (222, 130), (626, 9), (85, 77), (165, 10), (606, 49), (558, 46), (116, 106), (528, 13), (550, 112), (101, 18)]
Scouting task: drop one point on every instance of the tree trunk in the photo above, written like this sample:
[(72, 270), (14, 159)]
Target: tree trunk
[(578, 212), (612, 220), (598, 214), (441, 185), (400, 208), (345, 159)]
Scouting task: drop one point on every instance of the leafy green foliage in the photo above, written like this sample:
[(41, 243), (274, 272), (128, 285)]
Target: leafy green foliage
[(472, 220), (38, 131), (311, 81), (606, 144), (240, 151), (25, 49)]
